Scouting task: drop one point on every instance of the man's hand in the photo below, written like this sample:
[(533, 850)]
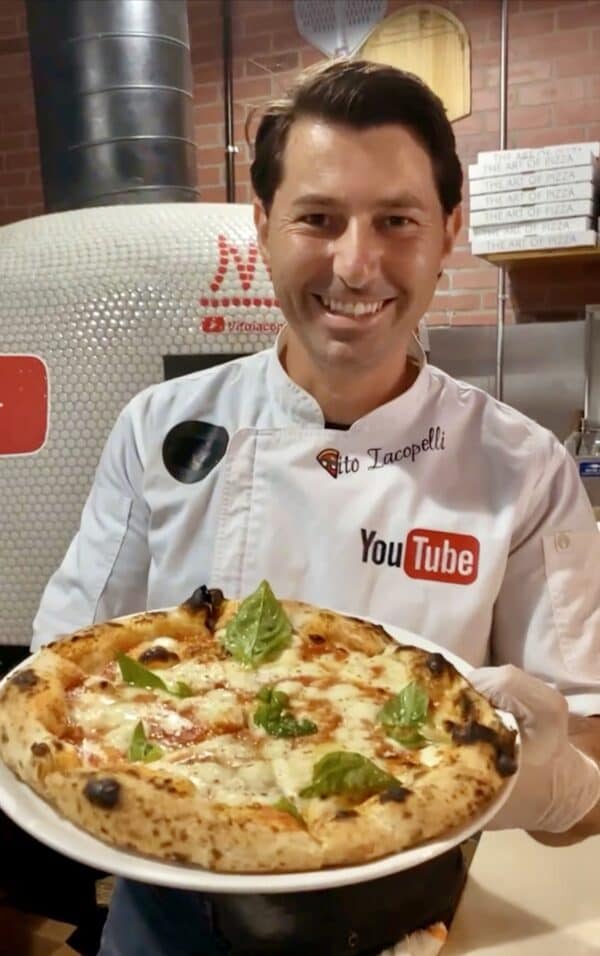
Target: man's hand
[(558, 784)]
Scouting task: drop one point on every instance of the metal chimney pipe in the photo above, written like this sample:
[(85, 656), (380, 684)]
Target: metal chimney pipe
[(592, 368), (114, 101)]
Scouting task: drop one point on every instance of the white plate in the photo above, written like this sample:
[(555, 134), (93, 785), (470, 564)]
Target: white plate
[(39, 819)]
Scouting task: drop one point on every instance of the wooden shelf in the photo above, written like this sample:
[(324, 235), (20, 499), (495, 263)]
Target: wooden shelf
[(539, 255)]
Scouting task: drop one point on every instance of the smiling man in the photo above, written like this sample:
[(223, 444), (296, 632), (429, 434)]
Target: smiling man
[(350, 474)]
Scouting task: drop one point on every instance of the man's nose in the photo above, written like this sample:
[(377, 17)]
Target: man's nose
[(357, 255)]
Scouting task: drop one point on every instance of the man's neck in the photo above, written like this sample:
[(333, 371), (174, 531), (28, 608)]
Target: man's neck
[(345, 396)]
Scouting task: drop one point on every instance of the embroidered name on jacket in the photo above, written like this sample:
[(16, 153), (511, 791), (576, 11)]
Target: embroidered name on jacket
[(427, 554), (336, 464)]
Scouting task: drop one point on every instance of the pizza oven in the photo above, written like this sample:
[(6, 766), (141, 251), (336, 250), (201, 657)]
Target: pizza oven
[(97, 304)]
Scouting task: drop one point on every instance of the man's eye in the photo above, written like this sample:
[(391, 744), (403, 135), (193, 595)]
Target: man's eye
[(396, 221), (317, 219)]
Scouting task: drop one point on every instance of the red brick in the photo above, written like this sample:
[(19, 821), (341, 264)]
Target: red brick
[(210, 155), (23, 159), (576, 65), (489, 299), (209, 51), (531, 22), (481, 278), (16, 122), (555, 91), (596, 40), (486, 54), (12, 178), (15, 65), (546, 137), (456, 302), (473, 318), (460, 259), (526, 71), (251, 89), (287, 39), (202, 11), (12, 141), (282, 18), (474, 123), (593, 86), (276, 63), (213, 135), (578, 15), (549, 45), (529, 117), (570, 114), (208, 93), (210, 176), (211, 72), (310, 56), (213, 194), (436, 318), (210, 114), (252, 46)]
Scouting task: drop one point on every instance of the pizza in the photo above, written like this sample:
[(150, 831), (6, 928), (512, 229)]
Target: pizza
[(252, 736)]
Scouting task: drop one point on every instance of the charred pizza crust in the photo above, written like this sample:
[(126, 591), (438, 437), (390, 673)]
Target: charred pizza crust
[(168, 810)]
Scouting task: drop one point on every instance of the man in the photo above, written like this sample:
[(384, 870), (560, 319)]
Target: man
[(446, 512)]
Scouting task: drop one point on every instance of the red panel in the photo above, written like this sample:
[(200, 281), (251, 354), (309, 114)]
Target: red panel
[(23, 404)]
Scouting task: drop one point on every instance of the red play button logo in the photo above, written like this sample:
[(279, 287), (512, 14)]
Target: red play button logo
[(23, 404)]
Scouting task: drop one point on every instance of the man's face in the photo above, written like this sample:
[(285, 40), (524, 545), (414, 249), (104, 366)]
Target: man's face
[(355, 238)]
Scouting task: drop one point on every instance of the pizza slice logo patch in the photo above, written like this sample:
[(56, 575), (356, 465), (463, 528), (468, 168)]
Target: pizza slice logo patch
[(329, 459)]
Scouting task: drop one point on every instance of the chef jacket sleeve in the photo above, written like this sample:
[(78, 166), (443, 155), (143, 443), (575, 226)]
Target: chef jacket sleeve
[(547, 613), (105, 570)]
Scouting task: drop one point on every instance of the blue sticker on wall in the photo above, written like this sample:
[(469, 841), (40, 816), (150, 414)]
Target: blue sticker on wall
[(589, 469)]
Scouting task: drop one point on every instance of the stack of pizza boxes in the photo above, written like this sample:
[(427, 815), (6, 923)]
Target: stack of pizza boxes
[(534, 199)]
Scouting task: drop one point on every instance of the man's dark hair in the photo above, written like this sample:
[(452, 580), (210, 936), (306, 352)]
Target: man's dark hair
[(361, 95)]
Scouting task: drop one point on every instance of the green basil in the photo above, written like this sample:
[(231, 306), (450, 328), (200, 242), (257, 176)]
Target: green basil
[(344, 772), (137, 675), (260, 630), (278, 722), (288, 806), (140, 748), (404, 716)]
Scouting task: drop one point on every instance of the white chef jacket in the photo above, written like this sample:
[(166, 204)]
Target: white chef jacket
[(444, 512)]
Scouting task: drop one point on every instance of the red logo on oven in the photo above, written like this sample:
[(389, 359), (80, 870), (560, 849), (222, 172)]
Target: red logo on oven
[(213, 323), (23, 404), (441, 556)]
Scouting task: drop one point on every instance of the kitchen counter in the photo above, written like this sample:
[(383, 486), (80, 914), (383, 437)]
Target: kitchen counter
[(523, 898)]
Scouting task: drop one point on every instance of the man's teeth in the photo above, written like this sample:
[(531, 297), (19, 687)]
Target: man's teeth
[(352, 308)]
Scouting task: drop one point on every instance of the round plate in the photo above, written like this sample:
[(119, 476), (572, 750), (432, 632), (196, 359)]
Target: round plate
[(38, 818)]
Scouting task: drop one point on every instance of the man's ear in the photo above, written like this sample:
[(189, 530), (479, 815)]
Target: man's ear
[(261, 223), (451, 230)]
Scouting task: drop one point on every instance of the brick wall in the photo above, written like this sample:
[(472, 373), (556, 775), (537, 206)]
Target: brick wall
[(554, 91), (20, 183)]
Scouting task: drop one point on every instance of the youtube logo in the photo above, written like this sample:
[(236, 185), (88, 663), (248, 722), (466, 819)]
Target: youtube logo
[(441, 556), (23, 404)]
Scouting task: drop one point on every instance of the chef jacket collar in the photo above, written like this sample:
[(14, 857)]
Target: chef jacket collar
[(298, 407)]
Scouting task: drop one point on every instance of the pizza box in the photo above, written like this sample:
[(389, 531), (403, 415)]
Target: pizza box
[(529, 197), (532, 228), (24, 934), (549, 177), (549, 210), (501, 162), (566, 240), (41, 820)]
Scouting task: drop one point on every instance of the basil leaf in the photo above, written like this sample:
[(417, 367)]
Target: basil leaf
[(140, 748), (260, 630), (407, 709), (407, 736), (344, 772), (271, 716), (288, 806), (137, 675)]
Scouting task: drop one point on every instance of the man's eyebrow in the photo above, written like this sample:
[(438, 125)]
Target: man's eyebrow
[(401, 201)]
